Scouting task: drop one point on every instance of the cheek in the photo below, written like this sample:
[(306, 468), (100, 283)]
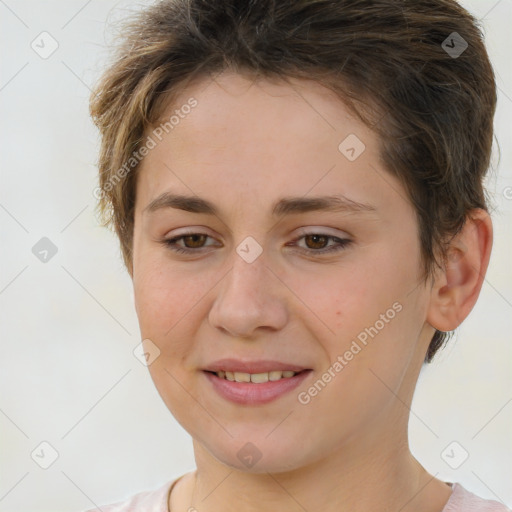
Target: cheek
[(345, 300), (379, 353), (160, 301), (373, 317), (164, 301), (372, 372), (169, 302)]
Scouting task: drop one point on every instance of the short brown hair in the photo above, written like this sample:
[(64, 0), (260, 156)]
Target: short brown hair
[(431, 105)]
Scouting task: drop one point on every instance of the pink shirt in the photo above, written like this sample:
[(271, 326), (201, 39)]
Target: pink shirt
[(157, 500)]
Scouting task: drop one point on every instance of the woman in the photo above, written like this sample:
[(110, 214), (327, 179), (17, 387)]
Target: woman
[(304, 222)]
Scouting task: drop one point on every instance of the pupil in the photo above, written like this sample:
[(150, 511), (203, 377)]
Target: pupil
[(194, 238), (316, 237)]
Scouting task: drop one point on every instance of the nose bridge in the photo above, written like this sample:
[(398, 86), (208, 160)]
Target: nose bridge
[(250, 265), (249, 296)]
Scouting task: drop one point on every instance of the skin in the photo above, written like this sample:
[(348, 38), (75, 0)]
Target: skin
[(244, 146)]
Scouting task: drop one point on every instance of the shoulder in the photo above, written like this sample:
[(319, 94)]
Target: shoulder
[(146, 501), (462, 500)]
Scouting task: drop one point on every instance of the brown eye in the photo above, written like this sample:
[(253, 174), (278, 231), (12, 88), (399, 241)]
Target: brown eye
[(188, 243), (318, 241), (194, 241)]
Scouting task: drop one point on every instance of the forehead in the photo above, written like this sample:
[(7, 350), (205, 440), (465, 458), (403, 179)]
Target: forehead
[(232, 107), (259, 137)]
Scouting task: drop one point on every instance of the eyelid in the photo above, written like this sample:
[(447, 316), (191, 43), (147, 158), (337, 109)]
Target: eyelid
[(302, 231), (189, 230), (340, 243), (322, 230)]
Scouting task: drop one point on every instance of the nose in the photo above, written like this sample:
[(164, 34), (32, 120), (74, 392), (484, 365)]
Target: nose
[(249, 299)]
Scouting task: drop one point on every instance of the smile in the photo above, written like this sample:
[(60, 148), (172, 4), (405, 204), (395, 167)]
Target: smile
[(256, 378), (254, 388)]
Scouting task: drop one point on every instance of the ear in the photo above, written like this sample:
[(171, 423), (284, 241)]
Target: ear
[(457, 286)]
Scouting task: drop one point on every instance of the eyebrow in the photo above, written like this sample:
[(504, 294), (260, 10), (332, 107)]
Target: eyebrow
[(285, 206)]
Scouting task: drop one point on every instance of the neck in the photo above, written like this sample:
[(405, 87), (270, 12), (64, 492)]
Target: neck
[(381, 476)]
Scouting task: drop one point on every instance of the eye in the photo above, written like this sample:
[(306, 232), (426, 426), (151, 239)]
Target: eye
[(316, 243), (192, 241)]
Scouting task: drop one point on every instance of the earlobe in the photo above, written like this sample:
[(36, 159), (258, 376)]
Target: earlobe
[(457, 286)]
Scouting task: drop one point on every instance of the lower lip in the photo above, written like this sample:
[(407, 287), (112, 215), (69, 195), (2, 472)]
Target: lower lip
[(249, 393)]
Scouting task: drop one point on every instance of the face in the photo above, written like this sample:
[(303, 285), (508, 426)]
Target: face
[(276, 276)]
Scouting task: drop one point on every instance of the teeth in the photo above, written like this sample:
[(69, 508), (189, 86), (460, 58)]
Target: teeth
[(275, 375), (242, 377), (259, 377), (256, 378)]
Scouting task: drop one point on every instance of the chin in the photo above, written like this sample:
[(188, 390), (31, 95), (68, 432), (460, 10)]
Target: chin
[(260, 456)]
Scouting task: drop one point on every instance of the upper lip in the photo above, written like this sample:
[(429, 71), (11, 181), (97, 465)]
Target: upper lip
[(256, 366)]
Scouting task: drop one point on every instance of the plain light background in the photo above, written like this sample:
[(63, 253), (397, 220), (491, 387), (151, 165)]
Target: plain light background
[(68, 376)]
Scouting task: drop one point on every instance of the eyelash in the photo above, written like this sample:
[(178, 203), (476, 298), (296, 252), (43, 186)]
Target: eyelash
[(342, 243)]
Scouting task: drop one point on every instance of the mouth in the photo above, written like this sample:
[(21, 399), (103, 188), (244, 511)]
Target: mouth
[(254, 383), (256, 378)]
